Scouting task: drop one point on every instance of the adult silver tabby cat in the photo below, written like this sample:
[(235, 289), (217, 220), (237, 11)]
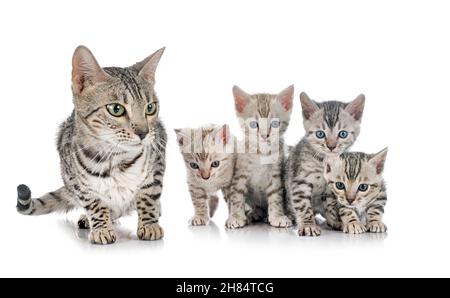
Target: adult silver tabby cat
[(257, 190), (112, 150), (209, 156), (356, 194), (331, 128)]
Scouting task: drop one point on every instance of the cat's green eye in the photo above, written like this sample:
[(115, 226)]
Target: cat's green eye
[(363, 187), (151, 109), (116, 110), (194, 165)]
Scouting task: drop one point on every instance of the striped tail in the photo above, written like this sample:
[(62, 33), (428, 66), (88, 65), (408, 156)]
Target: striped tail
[(56, 201), (213, 203)]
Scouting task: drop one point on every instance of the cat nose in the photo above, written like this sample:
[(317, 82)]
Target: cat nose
[(205, 175), (351, 199), (331, 146), (141, 133)]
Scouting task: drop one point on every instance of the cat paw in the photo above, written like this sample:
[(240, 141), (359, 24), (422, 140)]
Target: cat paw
[(150, 232), (376, 227), (235, 223), (310, 230), (280, 221), (198, 220), (354, 228), (102, 236), (83, 223)]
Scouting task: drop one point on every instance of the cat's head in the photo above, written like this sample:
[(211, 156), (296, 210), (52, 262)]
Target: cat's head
[(206, 150), (265, 116), (118, 105), (331, 126), (355, 178)]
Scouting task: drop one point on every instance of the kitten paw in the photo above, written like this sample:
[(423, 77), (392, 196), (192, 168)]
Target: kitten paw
[(150, 232), (376, 227), (198, 220), (311, 230), (102, 236), (83, 223), (235, 223), (354, 228), (280, 221)]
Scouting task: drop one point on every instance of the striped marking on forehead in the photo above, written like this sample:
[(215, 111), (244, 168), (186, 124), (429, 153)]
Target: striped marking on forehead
[(331, 112), (201, 146), (353, 163), (263, 102), (128, 79)]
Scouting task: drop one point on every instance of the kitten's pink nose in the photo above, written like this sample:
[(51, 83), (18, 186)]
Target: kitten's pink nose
[(331, 145), (351, 199), (205, 174)]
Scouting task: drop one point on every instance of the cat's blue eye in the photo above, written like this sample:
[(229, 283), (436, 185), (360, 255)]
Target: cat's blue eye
[(151, 109), (253, 124), (275, 124), (363, 187), (320, 134), (116, 109), (343, 134), (194, 166), (215, 164), (340, 185)]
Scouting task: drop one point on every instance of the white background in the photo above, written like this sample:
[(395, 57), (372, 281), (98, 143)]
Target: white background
[(396, 52)]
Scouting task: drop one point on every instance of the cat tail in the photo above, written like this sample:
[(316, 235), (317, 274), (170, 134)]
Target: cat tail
[(56, 201), (213, 203)]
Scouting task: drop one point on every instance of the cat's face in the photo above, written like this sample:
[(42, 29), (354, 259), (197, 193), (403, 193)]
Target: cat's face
[(204, 151), (118, 105), (355, 178), (332, 126), (264, 118)]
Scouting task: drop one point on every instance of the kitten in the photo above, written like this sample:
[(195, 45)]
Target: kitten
[(357, 193), (331, 128), (257, 181), (112, 150), (209, 166)]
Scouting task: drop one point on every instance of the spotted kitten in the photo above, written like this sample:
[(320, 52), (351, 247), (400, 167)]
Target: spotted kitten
[(210, 161), (356, 194), (112, 150), (257, 191), (331, 128)]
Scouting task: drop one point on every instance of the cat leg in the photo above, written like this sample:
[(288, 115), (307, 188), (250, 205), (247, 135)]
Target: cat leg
[(300, 194), (375, 213), (149, 209), (275, 199), (213, 204), (200, 201), (236, 203), (100, 222), (331, 212), (351, 222), (57, 201)]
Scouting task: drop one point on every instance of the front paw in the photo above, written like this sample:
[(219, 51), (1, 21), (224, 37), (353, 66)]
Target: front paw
[(311, 230), (150, 232), (354, 228), (102, 236), (199, 220), (376, 227), (234, 222), (280, 221)]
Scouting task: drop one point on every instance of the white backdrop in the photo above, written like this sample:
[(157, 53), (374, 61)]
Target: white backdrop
[(395, 52)]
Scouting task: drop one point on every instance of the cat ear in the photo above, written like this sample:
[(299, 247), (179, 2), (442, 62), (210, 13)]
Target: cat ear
[(309, 107), (286, 97), (85, 70), (378, 160), (224, 134), (328, 163), (356, 107), (241, 99), (147, 67), (181, 137)]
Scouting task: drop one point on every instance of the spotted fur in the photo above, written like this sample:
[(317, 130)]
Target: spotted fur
[(110, 165), (305, 183), (208, 153), (257, 190)]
